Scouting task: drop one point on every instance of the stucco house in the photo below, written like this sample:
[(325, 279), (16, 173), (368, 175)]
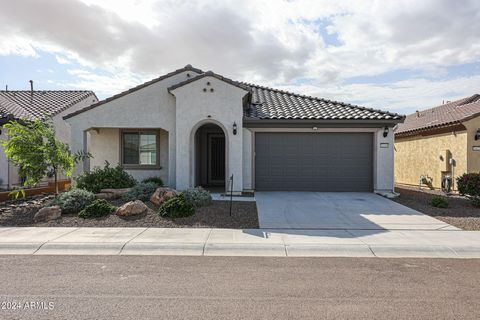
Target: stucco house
[(439, 142), (32, 105), (199, 128)]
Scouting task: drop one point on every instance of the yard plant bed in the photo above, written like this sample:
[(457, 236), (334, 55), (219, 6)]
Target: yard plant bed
[(216, 215), (460, 213)]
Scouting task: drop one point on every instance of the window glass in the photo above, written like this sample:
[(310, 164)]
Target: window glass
[(148, 149), (140, 148), (131, 142)]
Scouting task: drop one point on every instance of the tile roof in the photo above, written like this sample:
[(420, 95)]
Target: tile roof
[(272, 104), (451, 113), (268, 103), (39, 104)]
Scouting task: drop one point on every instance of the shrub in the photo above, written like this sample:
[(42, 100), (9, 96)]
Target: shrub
[(198, 197), (73, 201), (141, 191), (469, 185), (106, 178), (98, 208), (439, 202), (176, 207), (157, 180)]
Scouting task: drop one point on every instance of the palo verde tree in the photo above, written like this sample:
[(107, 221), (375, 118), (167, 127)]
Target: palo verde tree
[(34, 149)]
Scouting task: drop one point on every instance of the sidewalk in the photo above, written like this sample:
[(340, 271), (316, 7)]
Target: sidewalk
[(232, 242)]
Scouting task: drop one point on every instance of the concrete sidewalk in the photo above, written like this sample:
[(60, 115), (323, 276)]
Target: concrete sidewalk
[(247, 242)]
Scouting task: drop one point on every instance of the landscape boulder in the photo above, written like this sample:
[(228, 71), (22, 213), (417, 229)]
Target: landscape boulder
[(110, 194), (132, 208), (162, 194), (47, 214)]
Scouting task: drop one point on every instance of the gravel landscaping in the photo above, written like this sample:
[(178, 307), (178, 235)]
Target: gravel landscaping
[(215, 215), (460, 213)]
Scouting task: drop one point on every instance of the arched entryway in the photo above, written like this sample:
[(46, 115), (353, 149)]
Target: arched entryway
[(210, 156)]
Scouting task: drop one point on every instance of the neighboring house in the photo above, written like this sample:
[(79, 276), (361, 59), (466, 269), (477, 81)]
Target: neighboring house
[(198, 128), (438, 142), (31, 105)]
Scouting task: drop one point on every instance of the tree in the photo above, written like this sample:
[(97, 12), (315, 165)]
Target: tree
[(34, 149)]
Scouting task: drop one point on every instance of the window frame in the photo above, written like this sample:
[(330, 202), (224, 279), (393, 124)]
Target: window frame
[(140, 131)]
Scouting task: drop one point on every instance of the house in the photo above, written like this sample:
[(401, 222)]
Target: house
[(199, 128), (34, 104), (439, 142)]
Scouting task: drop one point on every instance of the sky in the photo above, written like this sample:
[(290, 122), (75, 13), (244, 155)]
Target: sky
[(396, 55)]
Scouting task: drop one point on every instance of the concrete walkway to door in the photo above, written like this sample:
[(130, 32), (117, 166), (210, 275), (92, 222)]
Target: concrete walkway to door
[(339, 210)]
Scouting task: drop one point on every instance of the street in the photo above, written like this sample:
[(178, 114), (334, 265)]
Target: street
[(168, 287)]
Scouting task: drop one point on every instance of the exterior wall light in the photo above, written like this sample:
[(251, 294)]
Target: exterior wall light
[(477, 134), (234, 128), (385, 132)]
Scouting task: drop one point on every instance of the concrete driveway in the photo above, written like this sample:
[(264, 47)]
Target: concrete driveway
[(339, 210)]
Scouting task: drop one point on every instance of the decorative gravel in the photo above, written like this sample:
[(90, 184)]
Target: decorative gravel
[(460, 213), (216, 215)]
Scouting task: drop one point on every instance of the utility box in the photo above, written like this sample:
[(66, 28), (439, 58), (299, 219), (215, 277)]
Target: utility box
[(447, 163)]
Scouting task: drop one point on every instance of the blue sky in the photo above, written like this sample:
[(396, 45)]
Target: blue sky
[(395, 55)]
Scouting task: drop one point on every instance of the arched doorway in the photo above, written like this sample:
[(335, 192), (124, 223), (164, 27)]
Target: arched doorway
[(210, 156)]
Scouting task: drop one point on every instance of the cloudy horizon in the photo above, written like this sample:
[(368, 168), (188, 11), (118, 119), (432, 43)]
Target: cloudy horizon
[(395, 55)]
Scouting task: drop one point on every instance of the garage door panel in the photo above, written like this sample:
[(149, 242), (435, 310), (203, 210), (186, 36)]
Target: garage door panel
[(314, 161)]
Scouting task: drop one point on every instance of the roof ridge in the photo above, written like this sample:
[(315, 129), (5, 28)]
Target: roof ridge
[(209, 73), (320, 99), (455, 103), (188, 67)]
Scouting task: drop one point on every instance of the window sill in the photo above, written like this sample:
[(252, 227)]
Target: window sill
[(141, 167)]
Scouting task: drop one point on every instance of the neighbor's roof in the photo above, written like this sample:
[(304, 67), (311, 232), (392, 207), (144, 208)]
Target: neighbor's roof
[(272, 104), (39, 104), (448, 114)]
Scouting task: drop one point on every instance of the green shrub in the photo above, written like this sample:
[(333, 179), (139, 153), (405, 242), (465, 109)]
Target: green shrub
[(141, 191), (98, 208), (106, 178), (469, 185), (439, 202), (198, 197), (157, 180), (73, 201), (176, 207)]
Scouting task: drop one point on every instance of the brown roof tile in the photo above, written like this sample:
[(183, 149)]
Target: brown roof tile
[(39, 104), (451, 113)]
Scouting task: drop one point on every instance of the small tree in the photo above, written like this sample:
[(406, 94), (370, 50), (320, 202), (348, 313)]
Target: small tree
[(34, 149)]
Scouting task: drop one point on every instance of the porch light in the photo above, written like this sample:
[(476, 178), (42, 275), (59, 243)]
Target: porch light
[(385, 132), (234, 128), (477, 134)]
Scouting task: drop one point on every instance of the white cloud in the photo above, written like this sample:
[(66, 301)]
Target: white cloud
[(264, 41)]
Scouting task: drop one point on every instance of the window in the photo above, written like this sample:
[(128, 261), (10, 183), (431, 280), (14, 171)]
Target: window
[(140, 148)]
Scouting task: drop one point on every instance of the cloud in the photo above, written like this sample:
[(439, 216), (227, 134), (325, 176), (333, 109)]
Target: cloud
[(275, 42)]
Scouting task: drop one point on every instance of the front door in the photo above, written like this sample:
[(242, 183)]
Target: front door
[(216, 159)]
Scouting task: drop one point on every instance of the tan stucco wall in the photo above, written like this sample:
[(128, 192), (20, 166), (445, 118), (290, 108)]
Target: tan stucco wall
[(150, 107), (195, 107), (420, 155), (104, 145), (473, 157)]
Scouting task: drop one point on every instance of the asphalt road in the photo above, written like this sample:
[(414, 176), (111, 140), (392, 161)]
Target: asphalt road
[(156, 287)]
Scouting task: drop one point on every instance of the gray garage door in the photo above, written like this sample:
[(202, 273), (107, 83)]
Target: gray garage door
[(313, 161)]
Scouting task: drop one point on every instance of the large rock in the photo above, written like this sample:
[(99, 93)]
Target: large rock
[(132, 208), (109, 194), (47, 214), (162, 194)]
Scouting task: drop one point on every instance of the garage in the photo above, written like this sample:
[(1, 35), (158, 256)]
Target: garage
[(301, 161)]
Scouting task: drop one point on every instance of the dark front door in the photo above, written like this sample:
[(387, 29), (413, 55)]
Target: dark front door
[(216, 159)]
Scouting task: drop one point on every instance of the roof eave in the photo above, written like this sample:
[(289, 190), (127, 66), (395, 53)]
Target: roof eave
[(252, 123), (124, 93)]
